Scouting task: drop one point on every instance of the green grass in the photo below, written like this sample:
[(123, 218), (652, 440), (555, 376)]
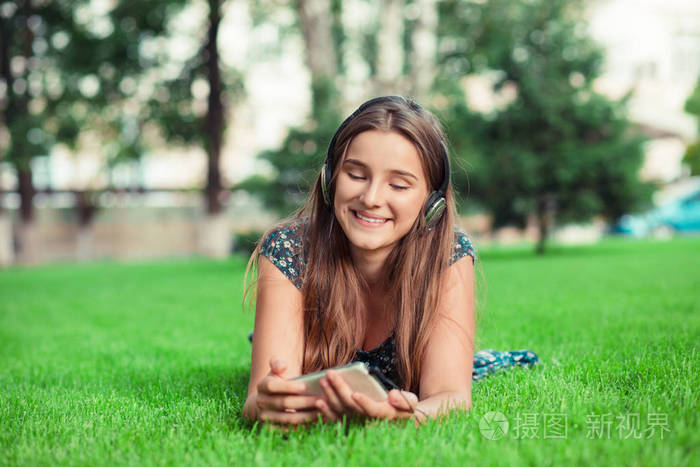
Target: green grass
[(148, 364)]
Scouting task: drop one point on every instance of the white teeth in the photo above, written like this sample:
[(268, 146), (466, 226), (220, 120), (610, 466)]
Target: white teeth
[(369, 219)]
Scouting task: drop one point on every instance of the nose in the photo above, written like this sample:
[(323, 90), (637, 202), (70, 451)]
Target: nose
[(372, 194)]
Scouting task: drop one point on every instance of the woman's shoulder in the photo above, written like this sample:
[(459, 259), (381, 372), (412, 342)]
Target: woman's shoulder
[(282, 245), (462, 246), (286, 231)]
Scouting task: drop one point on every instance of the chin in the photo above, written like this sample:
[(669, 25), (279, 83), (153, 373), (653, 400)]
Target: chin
[(369, 244)]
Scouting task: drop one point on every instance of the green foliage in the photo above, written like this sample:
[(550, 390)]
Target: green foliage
[(101, 72), (149, 365), (461, 126), (298, 161), (82, 71), (27, 32), (692, 153), (170, 105), (556, 143), (338, 32), (692, 158), (692, 104), (244, 243), (68, 68)]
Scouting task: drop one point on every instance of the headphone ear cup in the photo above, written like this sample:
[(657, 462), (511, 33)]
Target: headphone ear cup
[(326, 176), (434, 209)]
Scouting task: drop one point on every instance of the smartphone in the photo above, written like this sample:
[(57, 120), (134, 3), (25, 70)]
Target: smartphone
[(356, 375)]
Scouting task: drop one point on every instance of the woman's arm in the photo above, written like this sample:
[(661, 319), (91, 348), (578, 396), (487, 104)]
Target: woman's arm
[(446, 379), (277, 352)]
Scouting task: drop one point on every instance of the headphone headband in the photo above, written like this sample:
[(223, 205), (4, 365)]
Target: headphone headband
[(436, 203)]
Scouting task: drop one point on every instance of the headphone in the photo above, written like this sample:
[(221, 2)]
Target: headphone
[(435, 205)]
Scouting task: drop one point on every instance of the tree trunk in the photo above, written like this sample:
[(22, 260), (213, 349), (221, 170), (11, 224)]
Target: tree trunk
[(214, 125), (25, 186), (27, 243), (542, 230), (545, 220), (86, 207), (315, 19), (5, 74), (214, 236), (423, 55), (17, 108), (390, 48), (7, 248)]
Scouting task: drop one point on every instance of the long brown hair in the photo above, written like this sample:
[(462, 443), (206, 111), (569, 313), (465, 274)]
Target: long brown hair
[(333, 289)]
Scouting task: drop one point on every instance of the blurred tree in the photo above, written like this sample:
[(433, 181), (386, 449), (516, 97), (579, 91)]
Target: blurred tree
[(692, 158), (114, 70), (423, 48), (188, 106), (382, 43), (66, 67), (121, 72), (299, 158), (297, 161), (692, 153), (21, 25), (316, 23), (71, 68), (389, 37), (547, 145)]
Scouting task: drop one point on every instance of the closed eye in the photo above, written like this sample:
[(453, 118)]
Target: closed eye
[(399, 187), (355, 177)]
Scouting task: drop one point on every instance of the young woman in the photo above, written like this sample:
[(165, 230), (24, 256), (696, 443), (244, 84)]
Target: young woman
[(371, 269)]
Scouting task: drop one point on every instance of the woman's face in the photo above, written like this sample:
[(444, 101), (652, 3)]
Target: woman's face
[(379, 192)]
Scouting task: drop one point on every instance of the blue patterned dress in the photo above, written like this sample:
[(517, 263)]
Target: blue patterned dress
[(283, 247)]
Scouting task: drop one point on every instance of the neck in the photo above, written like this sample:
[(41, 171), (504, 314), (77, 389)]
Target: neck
[(371, 266)]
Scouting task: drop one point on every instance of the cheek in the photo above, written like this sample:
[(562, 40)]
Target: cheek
[(340, 192), (410, 208), (343, 195)]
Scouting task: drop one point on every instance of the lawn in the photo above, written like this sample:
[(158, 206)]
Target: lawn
[(148, 363)]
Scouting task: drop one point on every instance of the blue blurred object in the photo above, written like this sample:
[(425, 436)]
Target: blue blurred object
[(680, 215)]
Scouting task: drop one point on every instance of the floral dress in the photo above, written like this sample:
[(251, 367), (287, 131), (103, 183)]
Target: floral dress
[(283, 247)]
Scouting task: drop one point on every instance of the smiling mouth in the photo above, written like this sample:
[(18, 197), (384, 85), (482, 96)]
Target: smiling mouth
[(372, 220)]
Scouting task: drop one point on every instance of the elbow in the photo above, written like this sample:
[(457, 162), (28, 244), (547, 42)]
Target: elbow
[(465, 400), (451, 401), (468, 403), (461, 401)]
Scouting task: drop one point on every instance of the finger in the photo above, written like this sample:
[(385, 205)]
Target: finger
[(275, 402), (403, 400), (374, 409), (328, 414), (344, 392), (289, 418), (276, 385), (331, 396)]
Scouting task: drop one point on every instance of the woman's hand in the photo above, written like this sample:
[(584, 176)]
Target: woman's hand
[(281, 401), (342, 401)]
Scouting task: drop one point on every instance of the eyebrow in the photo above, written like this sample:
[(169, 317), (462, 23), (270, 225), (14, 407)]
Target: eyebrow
[(394, 171)]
